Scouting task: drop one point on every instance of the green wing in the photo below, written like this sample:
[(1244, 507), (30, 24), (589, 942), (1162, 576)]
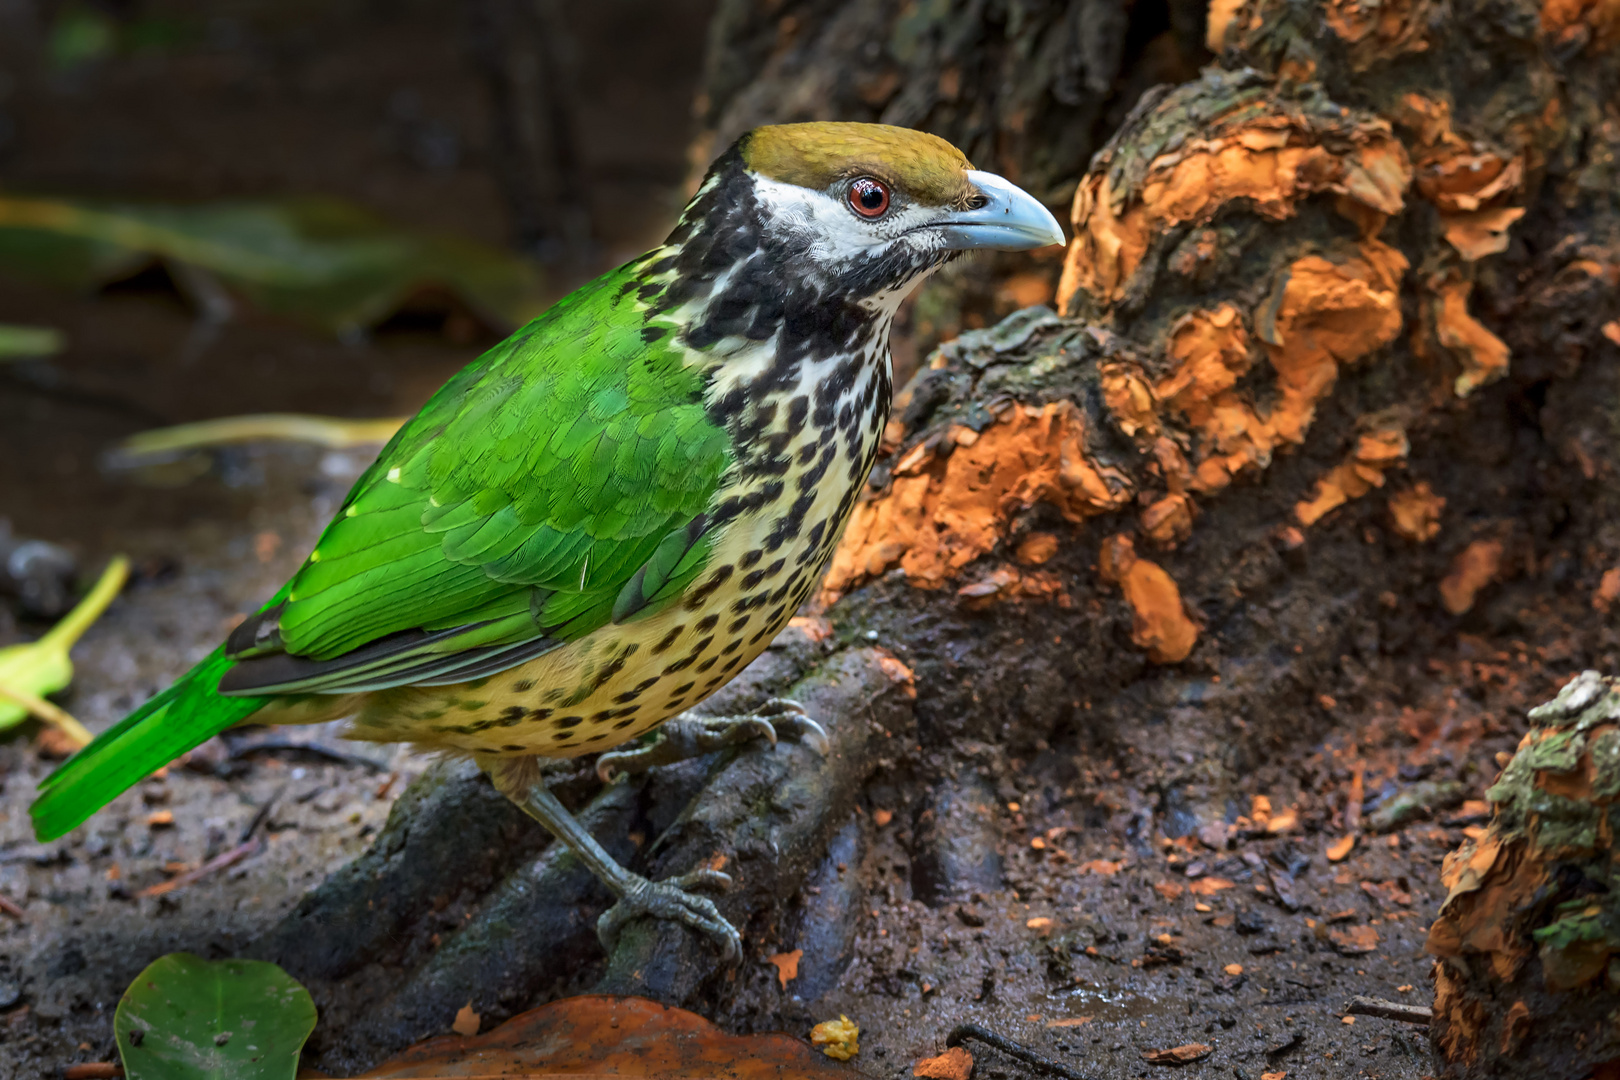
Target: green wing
[(558, 483)]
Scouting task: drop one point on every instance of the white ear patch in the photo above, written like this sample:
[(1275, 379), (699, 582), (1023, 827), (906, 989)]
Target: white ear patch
[(829, 230)]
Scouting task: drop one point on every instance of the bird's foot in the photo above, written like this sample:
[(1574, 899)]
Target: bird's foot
[(671, 900), (689, 736)]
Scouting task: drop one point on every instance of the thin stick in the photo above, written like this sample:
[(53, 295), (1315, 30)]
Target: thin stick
[(1012, 1049), (53, 715), (1389, 1010), (217, 863), (11, 909)]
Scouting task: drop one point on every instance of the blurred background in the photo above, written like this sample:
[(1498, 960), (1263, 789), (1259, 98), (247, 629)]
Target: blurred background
[(211, 208)]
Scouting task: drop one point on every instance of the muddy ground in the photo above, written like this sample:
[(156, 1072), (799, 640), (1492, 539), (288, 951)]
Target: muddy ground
[(1099, 943)]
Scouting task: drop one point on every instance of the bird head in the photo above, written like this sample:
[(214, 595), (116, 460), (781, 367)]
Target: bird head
[(856, 212)]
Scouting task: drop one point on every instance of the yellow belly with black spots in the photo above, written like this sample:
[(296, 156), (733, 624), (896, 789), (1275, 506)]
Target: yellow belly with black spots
[(623, 680)]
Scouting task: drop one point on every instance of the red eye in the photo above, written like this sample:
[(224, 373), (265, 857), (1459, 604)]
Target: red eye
[(869, 197)]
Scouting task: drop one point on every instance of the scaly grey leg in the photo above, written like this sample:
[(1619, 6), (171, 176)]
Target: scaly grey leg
[(686, 737), (519, 780)]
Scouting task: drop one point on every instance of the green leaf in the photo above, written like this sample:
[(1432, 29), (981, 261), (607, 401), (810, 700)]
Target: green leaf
[(186, 1018), (320, 261), (21, 342)]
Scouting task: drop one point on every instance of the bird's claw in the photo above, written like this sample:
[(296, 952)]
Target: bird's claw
[(689, 736), (671, 900)]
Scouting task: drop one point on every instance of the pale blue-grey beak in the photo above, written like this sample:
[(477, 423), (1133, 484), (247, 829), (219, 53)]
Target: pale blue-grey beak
[(1011, 219)]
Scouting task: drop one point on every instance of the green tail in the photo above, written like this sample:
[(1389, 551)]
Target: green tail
[(184, 716)]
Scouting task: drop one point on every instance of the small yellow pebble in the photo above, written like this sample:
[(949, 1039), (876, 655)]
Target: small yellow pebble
[(839, 1039)]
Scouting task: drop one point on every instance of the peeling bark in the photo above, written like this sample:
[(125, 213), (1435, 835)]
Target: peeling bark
[(1529, 936)]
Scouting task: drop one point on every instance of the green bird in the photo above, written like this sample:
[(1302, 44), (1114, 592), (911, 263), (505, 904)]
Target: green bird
[(602, 520)]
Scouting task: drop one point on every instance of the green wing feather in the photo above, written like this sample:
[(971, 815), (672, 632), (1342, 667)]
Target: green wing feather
[(557, 483)]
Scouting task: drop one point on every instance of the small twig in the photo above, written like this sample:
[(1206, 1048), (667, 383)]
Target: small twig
[(53, 715), (217, 863), (328, 431), (94, 1070), (288, 746), (260, 815), (1389, 1010), (10, 908), (1012, 1050)]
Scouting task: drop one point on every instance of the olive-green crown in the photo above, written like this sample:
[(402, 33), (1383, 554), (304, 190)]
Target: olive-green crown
[(925, 167)]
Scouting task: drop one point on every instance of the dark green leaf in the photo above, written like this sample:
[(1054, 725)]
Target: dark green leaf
[(186, 1018)]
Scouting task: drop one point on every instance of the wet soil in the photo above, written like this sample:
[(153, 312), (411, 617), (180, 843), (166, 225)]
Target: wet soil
[(1099, 943)]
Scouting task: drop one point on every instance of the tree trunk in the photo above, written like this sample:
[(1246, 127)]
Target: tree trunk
[(1332, 376)]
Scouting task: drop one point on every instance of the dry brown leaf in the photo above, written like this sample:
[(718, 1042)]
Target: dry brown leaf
[(1178, 1055), (954, 1064), (787, 965), (613, 1036), (1354, 940)]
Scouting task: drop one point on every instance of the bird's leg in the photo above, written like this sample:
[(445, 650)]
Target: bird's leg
[(686, 737), (519, 779)]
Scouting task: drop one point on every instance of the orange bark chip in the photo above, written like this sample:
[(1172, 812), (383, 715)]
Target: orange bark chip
[(1475, 567), (1611, 330), (1178, 1055), (1376, 451), (1415, 512), (466, 1021), (954, 1064), (1161, 625), (1100, 866), (1607, 596), (1339, 850), (787, 966), (939, 514), (1209, 886), (1170, 890), (1484, 356)]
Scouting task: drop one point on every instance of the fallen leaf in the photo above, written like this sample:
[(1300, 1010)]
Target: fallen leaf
[(881, 818), (1233, 969), (326, 263), (1209, 886), (160, 819), (17, 342), (1072, 1021), (1286, 821), (1100, 866), (787, 965), (186, 1018), (600, 1035), (1040, 924), (954, 1064), (1340, 848), (1178, 1055), (1170, 890), (839, 1039), (467, 1021), (1354, 940), (1279, 1075), (1611, 330)]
